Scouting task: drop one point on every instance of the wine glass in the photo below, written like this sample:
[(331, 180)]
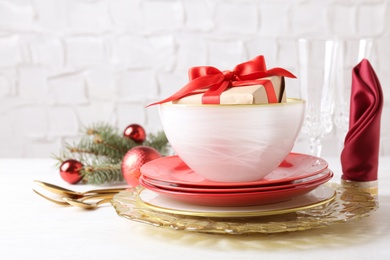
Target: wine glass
[(350, 53), (316, 86)]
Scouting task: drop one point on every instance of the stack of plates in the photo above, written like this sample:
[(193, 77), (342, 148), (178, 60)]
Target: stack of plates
[(170, 185)]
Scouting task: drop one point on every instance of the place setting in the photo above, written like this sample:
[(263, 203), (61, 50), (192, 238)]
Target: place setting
[(233, 170), (290, 204)]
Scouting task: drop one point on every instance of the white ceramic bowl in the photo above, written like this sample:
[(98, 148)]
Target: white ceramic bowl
[(233, 143)]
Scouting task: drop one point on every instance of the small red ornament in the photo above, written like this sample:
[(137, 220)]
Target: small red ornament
[(70, 171), (135, 132), (134, 159)]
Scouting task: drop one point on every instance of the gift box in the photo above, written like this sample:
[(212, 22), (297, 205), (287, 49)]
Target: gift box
[(254, 94), (248, 83)]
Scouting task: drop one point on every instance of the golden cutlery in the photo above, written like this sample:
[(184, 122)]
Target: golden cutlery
[(59, 202), (65, 202), (75, 194), (86, 205)]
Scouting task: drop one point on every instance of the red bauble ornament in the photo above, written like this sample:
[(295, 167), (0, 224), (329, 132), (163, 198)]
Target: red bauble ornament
[(70, 171), (135, 132), (134, 159)]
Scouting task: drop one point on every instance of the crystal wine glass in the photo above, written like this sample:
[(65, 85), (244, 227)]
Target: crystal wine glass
[(350, 53), (316, 86)]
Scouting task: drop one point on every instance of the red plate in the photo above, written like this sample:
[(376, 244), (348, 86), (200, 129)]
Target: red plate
[(173, 170), (237, 198), (326, 174)]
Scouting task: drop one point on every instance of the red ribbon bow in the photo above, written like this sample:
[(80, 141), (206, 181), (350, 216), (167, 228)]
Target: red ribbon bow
[(216, 81)]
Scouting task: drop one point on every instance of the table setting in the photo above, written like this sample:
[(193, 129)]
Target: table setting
[(179, 191), (232, 171)]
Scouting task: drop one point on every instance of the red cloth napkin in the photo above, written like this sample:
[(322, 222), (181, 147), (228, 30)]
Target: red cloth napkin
[(359, 158)]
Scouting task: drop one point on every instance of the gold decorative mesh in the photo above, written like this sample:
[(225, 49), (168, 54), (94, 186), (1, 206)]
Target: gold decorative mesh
[(350, 203)]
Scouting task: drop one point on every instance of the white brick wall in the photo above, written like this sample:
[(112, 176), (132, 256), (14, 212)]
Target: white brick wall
[(68, 63)]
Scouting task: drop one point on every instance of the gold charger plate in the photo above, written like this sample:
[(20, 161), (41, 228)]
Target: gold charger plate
[(350, 203)]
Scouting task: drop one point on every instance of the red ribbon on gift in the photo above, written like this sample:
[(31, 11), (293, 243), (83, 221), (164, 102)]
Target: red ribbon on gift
[(216, 81)]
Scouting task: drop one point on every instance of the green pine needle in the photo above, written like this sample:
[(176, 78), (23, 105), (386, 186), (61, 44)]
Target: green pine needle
[(159, 142), (102, 173), (101, 150)]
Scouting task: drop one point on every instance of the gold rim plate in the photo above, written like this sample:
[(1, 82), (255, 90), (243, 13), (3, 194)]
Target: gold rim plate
[(350, 203), (150, 199)]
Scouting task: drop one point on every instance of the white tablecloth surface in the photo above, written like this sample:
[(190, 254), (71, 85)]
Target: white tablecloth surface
[(33, 228)]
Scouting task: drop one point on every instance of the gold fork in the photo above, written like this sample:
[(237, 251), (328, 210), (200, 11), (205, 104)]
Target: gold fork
[(75, 194), (66, 201)]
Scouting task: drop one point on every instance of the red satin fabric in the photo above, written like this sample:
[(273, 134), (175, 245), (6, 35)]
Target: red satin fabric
[(216, 81), (359, 158)]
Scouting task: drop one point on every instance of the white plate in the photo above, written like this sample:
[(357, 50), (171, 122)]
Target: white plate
[(318, 196)]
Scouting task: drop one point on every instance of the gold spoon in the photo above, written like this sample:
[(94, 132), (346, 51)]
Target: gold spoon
[(86, 205), (59, 202), (75, 194), (64, 202)]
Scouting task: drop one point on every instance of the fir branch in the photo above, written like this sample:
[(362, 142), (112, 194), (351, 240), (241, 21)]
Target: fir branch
[(101, 150), (107, 141), (102, 173), (98, 128), (89, 146), (70, 153), (159, 142), (74, 150), (111, 136), (59, 158)]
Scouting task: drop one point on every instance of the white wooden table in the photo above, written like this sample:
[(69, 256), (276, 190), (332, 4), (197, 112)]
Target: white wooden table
[(32, 228)]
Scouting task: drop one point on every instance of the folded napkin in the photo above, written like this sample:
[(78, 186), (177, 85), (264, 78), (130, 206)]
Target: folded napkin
[(359, 158)]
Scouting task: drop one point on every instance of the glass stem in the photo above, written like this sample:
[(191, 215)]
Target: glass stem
[(315, 146), (341, 139)]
